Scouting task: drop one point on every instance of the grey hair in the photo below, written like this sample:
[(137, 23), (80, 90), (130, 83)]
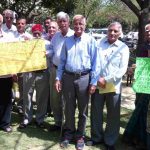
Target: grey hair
[(147, 26), (8, 11), (78, 17), (116, 23), (62, 15)]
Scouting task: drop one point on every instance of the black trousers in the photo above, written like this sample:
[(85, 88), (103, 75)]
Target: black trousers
[(5, 101)]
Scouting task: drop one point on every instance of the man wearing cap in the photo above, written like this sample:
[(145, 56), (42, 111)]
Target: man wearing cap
[(54, 52), (36, 80)]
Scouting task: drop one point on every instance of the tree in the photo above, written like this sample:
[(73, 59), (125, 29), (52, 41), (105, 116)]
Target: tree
[(141, 8), (34, 8), (28, 9), (111, 12)]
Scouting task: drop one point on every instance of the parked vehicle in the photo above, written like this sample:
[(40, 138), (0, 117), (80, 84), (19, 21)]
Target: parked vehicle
[(131, 39)]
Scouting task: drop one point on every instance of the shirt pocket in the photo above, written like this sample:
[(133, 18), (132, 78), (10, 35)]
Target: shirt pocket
[(115, 62)]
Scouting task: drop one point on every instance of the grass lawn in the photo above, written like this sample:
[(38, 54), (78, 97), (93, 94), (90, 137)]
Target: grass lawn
[(33, 138)]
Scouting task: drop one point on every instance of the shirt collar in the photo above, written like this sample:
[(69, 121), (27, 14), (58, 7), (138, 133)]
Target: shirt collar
[(69, 33), (81, 37), (5, 28), (116, 43)]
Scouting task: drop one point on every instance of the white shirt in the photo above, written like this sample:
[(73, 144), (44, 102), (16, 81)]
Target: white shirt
[(9, 34), (21, 37), (56, 46), (114, 61)]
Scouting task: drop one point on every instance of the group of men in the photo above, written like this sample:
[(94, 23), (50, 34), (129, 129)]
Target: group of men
[(78, 66)]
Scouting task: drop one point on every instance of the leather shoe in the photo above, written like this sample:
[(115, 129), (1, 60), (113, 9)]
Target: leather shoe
[(23, 125), (80, 144), (110, 147), (64, 143), (54, 128), (8, 129)]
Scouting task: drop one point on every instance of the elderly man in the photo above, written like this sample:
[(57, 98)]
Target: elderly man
[(55, 50), (114, 60), (78, 72), (8, 26), (52, 29), (5, 90), (36, 80)]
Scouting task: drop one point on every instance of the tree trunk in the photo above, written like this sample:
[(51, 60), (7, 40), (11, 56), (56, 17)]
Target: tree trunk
[(144, 18)]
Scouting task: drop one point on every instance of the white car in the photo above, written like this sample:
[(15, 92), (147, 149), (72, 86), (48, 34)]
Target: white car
[(99, 33), (132, 36)]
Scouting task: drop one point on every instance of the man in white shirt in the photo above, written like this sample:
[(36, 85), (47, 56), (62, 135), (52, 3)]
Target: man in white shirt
[(21, 35), (114, 56), (8, 27), (54, 52), (6, 83)]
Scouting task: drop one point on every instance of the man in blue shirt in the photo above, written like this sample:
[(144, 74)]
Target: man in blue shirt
[(114, 61), (77, 74), (56, 44)]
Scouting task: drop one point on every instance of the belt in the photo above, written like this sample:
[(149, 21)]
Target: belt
[(77, 74)]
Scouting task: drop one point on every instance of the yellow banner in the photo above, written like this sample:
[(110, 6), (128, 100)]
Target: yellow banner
[(23, 56)]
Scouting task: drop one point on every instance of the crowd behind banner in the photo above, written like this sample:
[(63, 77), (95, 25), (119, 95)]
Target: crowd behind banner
[(77, 67)]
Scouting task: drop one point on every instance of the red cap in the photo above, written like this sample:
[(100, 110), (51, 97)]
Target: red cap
[(37, 27)]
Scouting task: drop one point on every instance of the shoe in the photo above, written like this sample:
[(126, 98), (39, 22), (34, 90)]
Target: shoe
[(24, 124), (54, 128), (93, 143), (8, 129), (64, 143), (80, 144), (20, 111), (110, 147), (40, 125)]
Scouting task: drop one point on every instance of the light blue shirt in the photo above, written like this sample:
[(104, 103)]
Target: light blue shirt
[(80, 54), (114, 61), (56, 46)]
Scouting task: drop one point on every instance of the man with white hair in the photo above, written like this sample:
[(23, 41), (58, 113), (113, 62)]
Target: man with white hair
[(55, 50), (77, 77), (8, 26), (6, 82), (114, 56)]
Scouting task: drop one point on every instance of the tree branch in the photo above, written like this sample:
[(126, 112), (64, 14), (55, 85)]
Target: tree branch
[(132, 7)]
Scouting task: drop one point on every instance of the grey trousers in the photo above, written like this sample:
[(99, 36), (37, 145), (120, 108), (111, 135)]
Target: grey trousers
[(20, 86), (111, 132), (35, 81), (55, 99), (75, 92)]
